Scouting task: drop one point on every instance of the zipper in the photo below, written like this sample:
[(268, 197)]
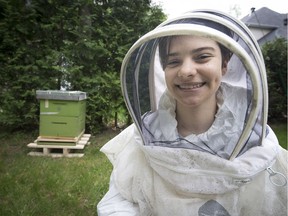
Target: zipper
[(236, 178), (276, 178)]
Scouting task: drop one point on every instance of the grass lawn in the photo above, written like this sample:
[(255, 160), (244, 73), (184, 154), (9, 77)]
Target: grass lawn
[(51, 186), (281, 132), (58, 186)]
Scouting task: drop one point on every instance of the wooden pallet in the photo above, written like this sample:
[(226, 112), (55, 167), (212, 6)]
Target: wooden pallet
[(54, 150), (60, 139)]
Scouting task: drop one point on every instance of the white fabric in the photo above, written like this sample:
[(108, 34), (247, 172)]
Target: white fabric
[(114, 204), (180, 181), (156, 180), (221, 137), (157, 82)]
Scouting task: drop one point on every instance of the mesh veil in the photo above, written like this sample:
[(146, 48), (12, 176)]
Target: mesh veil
[(142, 76)]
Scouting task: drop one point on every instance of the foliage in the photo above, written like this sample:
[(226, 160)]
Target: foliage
[(72, 45), (275, 56)]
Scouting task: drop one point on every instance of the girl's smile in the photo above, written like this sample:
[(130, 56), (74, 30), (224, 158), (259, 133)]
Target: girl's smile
[(191, 86)]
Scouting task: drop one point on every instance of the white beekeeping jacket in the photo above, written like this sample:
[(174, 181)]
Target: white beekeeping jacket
[(235, 168)]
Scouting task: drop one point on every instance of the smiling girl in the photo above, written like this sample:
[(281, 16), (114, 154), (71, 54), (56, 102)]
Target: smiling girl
[(200, 145)]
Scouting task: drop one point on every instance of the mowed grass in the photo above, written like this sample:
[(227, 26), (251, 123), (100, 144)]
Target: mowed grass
[(281, 133), (58, 186), (51, 186)]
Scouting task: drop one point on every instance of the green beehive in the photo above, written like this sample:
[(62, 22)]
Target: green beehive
[(62, 113)]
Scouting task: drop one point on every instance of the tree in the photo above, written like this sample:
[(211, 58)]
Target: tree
[(73, 45), (235, 10), (100, 49), (275, 56), (26, 63)]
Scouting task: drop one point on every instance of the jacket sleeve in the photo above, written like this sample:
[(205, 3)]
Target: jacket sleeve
[(114, 204)]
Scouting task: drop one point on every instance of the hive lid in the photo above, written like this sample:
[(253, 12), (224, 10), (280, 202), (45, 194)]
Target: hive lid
[(61, 95)]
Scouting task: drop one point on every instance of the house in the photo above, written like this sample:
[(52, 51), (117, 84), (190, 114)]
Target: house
[(266, 25)]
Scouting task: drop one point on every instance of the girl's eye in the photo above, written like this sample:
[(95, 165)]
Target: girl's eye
[(173, 63), (203, 58)]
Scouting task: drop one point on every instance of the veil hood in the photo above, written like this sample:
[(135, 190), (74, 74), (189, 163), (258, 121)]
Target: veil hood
[(142, 76)]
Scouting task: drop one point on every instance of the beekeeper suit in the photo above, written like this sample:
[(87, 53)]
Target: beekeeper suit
[(234, 168)]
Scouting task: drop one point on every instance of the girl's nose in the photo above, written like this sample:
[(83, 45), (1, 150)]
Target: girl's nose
[(187, 69)]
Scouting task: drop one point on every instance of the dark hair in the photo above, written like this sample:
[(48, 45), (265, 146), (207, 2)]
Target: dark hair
[(164, 42)]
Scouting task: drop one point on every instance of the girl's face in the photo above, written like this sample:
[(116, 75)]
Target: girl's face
[(194, 70)]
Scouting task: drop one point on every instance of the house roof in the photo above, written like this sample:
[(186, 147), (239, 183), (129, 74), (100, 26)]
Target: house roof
[(267, 19)]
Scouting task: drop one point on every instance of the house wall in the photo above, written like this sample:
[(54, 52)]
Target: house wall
[(258, 32)]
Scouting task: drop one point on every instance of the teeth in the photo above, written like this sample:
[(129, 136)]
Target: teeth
[(186, 86)]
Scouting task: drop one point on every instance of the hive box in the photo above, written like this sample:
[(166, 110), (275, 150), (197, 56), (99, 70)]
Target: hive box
[(62, 113)]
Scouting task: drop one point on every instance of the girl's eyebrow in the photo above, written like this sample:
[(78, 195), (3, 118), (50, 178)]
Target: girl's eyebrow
[(193, 51)]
